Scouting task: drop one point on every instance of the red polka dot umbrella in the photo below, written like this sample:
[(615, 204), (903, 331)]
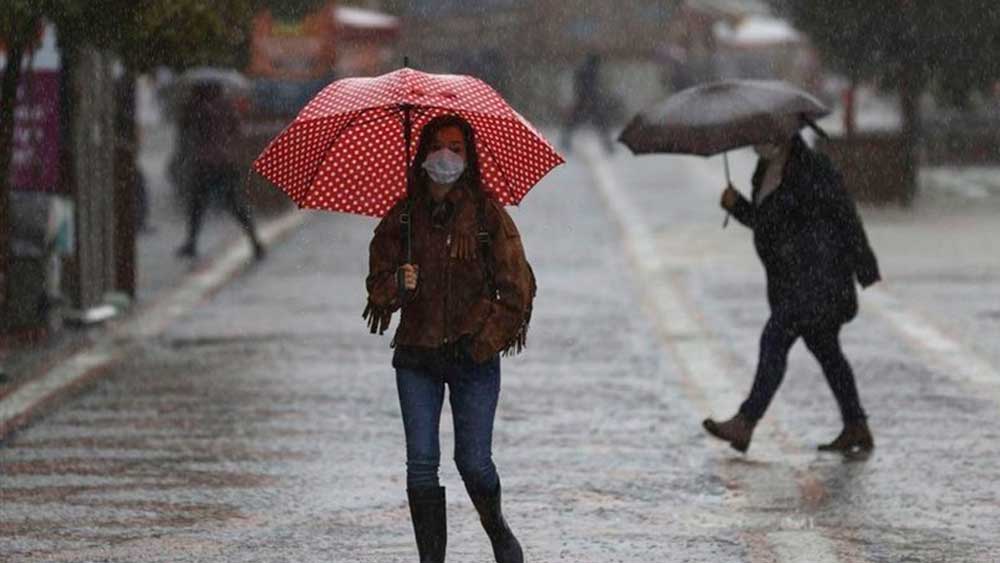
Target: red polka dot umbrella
[(349, 148)]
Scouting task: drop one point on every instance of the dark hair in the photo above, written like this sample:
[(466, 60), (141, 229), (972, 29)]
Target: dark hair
[(206, 91), (471, 178)]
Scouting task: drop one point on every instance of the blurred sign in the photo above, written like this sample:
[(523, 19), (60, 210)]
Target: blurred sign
[(299, 50), (35, 159)]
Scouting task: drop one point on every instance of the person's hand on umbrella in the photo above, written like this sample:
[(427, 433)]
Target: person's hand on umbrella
[(730, 197), (410, 273)]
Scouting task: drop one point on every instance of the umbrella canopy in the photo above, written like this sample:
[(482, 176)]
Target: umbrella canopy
[(176, 94), (229, 78), (350, 148), (714, 118)]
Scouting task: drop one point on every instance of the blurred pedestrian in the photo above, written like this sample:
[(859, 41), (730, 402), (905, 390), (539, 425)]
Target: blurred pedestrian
[(813, 246), (466, 298), (679, 74), (210, 130), (591, 105)]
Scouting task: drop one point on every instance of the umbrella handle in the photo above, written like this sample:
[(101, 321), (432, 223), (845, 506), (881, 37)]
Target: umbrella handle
[(404, 293)]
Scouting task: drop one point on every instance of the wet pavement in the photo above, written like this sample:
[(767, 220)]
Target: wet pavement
[(263, 424), (159, 270)]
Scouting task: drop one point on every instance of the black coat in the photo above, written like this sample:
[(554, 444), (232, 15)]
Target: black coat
[(810, 239)]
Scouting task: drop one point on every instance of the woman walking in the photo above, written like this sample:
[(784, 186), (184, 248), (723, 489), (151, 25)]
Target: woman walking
[(813, 246), (210, 127), (465, 298)]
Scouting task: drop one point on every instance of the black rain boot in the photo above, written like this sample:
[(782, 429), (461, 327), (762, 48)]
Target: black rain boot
[(737, 431), (855, 437), (427, 509), (506, 548)]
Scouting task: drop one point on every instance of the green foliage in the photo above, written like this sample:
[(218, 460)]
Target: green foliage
[(953, 45), (18, 20), (144, 33)]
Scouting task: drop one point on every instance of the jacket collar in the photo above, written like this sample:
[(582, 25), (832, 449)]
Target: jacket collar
[(798, 159)]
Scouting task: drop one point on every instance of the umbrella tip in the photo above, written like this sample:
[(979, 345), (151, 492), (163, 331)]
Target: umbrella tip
[(406, 61)]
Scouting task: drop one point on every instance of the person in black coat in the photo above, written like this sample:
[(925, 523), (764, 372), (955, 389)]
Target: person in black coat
[(592, 104), (813, 246)]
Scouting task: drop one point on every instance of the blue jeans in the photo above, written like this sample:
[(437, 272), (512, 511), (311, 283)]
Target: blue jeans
[(473, 391)]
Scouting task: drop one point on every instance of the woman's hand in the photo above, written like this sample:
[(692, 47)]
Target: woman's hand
[(729, 198), (410, 276)]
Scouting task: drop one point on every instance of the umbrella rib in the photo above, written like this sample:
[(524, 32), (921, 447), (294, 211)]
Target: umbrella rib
[(335, 137), (423, 107), (502, 170)]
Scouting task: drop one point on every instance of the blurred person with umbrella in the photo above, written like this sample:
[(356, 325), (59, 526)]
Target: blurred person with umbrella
[(176, 96), (209, 128), (807, 233), (178, 90), (446, 255)]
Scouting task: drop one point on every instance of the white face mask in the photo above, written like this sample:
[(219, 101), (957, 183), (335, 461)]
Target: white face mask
[(768, 151), (444, 166)]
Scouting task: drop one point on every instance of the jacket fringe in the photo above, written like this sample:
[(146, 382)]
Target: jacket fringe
[(378, 318), (519, 342)]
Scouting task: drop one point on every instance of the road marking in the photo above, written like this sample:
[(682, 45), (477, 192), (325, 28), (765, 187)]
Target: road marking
[(801, 545), (956, 361), (684, 333), (19, 405)]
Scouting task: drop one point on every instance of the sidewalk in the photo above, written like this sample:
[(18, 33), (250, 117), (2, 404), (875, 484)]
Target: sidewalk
[(160, 273)]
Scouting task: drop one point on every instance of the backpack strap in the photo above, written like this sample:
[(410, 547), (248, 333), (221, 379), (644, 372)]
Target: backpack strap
[(485, 248), (520, 340), (405, 242)]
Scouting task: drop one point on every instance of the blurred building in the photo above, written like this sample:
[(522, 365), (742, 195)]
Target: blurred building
[(366, 41), (529, 50), (291, 61), (764, 47)]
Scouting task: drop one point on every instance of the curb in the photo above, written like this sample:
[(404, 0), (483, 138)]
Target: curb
[(61, 378)]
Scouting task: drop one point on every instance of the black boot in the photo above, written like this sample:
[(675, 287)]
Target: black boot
[(427, 509), (737, 431), (854, 438), (506, 548)]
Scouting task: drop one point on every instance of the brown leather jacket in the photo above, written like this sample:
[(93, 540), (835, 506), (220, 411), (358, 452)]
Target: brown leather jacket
[(454, 301)]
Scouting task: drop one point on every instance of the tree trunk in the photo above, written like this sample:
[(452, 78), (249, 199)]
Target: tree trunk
[(909, 99), (126, 183), (850, 109), (8, 97)]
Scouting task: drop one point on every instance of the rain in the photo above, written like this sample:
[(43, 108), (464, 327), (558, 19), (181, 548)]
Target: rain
[(499, 280)]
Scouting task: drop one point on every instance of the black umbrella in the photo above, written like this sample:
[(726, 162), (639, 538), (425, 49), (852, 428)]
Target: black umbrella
[(715, 118)]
